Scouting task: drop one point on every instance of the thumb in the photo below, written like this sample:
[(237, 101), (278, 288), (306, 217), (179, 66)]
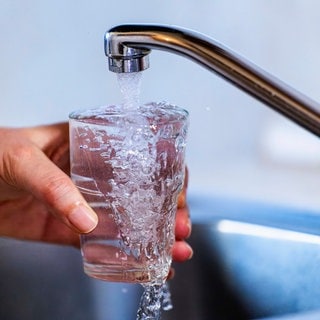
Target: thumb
[(28, 168)]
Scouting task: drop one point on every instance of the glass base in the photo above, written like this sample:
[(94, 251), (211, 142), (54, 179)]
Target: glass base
[(114, 274)]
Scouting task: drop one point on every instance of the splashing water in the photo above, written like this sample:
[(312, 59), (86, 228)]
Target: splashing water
[(166, 297), (156, 297)]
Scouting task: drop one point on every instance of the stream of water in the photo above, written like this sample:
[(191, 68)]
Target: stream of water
[(156, 296)]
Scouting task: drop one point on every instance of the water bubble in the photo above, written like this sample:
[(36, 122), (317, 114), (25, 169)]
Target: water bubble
[(82, 134), (167, 132), (180, 143), (106, 153)]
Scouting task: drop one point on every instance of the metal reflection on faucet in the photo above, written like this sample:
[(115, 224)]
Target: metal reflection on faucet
[(128, 46)]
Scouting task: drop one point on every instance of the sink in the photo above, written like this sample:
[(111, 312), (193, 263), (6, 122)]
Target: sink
[(251, 261)]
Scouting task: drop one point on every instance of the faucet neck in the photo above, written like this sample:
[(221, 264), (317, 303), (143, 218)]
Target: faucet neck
[(128, 46)]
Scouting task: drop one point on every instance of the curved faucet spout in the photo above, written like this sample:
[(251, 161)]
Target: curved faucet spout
[(128, 46)]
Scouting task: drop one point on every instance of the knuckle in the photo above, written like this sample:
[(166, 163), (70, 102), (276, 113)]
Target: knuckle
[(56, 189), (12, 161)]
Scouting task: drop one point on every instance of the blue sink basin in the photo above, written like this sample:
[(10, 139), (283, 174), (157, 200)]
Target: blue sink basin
[(251, 261)]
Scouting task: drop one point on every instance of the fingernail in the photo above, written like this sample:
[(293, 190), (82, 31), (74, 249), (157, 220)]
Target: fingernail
[(189, 229), (191, 252), (170, 274), (185, 230), (83, 218), (182, 199)]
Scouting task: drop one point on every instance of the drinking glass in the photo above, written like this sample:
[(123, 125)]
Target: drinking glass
[(129, 165)]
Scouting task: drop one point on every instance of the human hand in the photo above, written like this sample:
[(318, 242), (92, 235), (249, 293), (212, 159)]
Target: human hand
[(38, 200)]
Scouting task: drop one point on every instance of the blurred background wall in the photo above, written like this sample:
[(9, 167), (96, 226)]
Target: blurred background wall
[(52, 62)]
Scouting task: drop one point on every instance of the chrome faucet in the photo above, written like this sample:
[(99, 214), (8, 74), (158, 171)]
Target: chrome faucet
[(127, 48)]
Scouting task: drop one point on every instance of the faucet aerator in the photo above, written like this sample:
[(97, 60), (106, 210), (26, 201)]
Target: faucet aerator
[(128, 64)]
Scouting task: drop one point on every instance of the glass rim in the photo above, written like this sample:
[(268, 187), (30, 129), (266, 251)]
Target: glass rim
[(104, 111)]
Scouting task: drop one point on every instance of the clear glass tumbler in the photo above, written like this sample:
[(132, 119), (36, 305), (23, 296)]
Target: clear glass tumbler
[(129, 166)]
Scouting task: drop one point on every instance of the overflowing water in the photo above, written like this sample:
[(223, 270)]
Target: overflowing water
[(156, 297)]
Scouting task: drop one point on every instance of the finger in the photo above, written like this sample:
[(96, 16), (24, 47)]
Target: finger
[(181, 251), (43, 137), (183, 224), (171, 274), (28, 168), (182, 199)]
